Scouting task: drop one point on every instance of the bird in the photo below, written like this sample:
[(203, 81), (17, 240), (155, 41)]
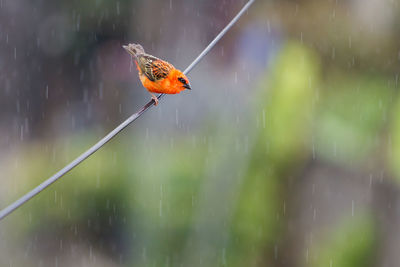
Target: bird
[(157, 75)]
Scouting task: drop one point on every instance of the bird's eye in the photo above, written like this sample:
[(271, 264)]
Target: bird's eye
[(182, 80)]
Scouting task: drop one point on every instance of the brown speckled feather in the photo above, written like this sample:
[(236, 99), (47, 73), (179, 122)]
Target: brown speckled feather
[(154, 68)]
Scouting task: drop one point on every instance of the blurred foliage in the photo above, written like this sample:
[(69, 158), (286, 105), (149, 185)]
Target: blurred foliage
[(166, 186), (353, 111), (91, 203), (286, 101), (121, 196), (349, 243), (288, 98)]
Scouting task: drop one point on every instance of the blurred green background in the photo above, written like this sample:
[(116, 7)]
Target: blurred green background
[(285, 153)]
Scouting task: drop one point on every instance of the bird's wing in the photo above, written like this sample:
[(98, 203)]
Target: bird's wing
[(154, 68)]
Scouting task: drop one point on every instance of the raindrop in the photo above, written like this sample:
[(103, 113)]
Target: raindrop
[(370, 180), (98, 180), (47, 92), (263, 115), (284, 207), (118, 10), (101, 90), (160, 207), (307, 255), (21, 135), (334, 149), (89, 111), (78, 22), (85, 95), (7, 86), (15, 53), (144, 254), (76, 58), (313, 151), (18, 106), (82, 74)]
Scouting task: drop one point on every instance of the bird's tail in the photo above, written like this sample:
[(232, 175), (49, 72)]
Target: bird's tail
[(134, 49)]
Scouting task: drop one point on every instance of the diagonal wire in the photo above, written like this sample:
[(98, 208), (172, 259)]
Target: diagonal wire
[(9, 209)]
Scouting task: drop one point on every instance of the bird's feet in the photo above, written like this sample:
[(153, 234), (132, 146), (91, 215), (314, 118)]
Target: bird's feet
[(155, 99)]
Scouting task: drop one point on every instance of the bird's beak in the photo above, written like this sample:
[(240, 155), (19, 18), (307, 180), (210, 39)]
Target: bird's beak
[(187, 86)]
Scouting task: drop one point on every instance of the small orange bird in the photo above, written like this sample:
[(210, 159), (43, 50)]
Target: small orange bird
[(156, 75)]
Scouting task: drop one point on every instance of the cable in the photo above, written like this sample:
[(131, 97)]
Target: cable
[(18, 203)]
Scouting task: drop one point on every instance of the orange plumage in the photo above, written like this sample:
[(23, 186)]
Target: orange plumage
[(156, 75)]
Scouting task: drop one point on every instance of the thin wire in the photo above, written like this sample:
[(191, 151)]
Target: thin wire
[(18, 203)]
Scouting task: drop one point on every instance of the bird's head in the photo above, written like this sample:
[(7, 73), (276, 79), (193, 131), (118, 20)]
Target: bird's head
[(182, 80)]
